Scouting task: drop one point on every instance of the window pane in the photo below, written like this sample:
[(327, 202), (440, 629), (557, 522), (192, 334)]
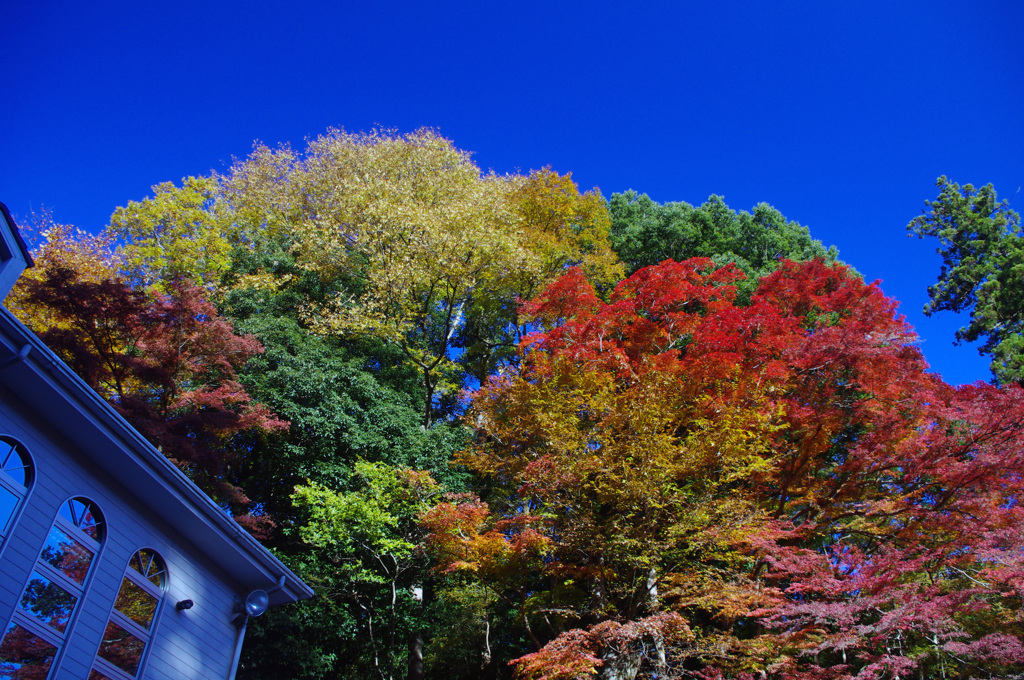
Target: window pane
[(24, 655), (149, 565), (121, 648), (96, 675), (48, 602), (135, 603), (8, 504), (66, 555), (83, 514), (13, 461)]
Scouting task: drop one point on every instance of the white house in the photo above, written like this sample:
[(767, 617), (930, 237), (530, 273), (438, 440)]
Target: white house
[(112, 563)]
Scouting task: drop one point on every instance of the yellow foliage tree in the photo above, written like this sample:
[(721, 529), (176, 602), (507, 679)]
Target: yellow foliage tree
[(557, 227), (431, 254), (179, 232), (435, 254), (60, 246)]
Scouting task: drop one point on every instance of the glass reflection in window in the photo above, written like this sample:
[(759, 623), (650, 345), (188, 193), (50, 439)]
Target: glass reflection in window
[(149, 565), (84, 514), (136, 603), (121, 648), (25, 655), (50, 603), (8, 504), (66, 555), (15, 461), (14, 480)]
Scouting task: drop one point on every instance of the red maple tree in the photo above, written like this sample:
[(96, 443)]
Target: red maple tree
[(167, 362), (773, 490)]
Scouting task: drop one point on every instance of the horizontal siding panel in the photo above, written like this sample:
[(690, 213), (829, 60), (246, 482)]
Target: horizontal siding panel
[(72, 669), (18, 553), (198, 643), (29, 530), (202, 660), (166, 667), (201, 639)]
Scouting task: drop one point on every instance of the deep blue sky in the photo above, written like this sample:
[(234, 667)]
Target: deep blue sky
[(840, 114)]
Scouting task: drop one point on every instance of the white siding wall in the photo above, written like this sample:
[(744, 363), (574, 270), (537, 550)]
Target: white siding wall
[(197, 643)]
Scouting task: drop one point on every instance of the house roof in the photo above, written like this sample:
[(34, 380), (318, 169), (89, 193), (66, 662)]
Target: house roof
[(44, 383), (16, 235)]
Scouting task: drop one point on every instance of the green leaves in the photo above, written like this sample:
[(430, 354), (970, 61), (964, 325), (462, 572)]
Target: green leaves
[(645, 233), (378, 518), (371, 538), (982, 251)]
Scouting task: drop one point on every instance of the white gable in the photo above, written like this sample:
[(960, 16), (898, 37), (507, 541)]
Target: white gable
[(14, 257)]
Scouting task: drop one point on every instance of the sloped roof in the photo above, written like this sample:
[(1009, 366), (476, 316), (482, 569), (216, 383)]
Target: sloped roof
[(44, 383), (16, 235)]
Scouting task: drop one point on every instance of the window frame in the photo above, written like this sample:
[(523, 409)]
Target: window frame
[(13, 486), (33, 624), (145, 635)]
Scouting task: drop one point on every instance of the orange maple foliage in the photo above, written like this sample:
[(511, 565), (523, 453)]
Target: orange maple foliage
[(785, 476)]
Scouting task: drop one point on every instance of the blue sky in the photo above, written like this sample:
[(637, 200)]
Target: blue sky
[(841, 115)]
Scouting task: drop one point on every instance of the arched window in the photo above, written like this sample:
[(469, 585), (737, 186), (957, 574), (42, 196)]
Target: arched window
[(15, 479), (42, 620), (131, 623)]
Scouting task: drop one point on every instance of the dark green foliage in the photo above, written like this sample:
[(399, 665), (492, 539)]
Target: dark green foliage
[(473, 634), (645, 233), (982, 271), (314, 638), (346, 401)]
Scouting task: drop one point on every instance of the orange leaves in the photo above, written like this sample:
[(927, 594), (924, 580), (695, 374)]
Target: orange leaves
[(631, 444), (60, 246), (618, 649), (460, 540), (570, 656), (787, 464)]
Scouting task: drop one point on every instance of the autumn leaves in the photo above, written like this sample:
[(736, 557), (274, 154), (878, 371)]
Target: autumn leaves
[(784, 475), (731, 463)]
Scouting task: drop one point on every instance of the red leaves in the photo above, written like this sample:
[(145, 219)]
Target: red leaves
[(789, 463), (567, 657), (634, 646), (569, 297), (167, 363)]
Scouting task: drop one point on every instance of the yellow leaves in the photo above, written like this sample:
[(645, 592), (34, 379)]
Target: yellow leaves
[(562, 228), (735, 444), (411, 216), (178, 232), (92, 258), (719, 593), (262, 281)]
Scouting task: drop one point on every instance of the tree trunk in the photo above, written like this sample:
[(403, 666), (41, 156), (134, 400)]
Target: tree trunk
[(619, 666), (659, 643), (428, 406), (415, 659)]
